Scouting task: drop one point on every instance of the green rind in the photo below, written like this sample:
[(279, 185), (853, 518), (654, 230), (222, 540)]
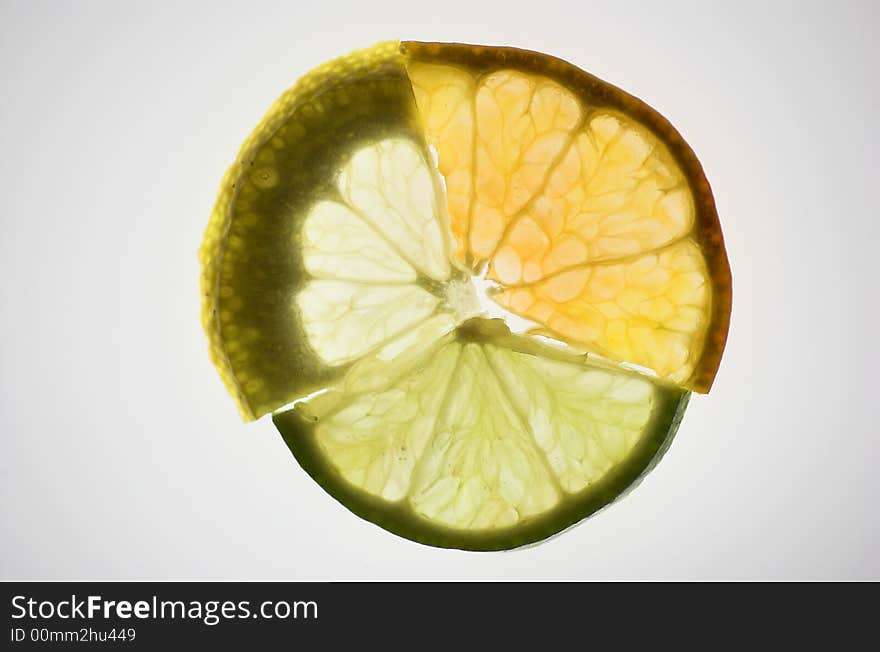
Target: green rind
[(297, 430)]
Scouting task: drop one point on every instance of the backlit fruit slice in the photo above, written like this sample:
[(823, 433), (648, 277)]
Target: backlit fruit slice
[(649, 309), (387, 206), (327, 237), (482, 440), (582, 203)]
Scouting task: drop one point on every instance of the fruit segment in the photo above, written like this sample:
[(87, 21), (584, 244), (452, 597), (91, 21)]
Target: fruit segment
[(339, 244), (445, 97), (616, 193), (480, 437), (584, 218), (482, 468), (390, 185), (344, 320), (523, 123), (497, 137), (585, 420), (374, 246), (650, 311), (376, 438)]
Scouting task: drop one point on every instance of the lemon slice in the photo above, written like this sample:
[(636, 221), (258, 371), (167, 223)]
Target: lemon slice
[(428, 262), (300, 218)]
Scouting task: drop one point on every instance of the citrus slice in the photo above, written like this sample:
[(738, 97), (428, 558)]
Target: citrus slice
[(582, 202), (474, 286), (291, 232), (481, 440)]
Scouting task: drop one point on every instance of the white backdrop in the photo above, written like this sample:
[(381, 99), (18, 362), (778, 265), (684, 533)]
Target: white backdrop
[(122, 456)]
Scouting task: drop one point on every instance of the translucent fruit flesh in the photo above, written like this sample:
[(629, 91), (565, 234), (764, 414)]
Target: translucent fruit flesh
[(481, 442), (253, 265), (337, 273), (581, 214)]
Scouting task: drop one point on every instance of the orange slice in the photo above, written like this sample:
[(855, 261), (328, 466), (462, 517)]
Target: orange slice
[(583, 204)]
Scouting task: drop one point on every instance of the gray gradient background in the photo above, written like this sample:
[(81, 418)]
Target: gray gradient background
[(122, 456)]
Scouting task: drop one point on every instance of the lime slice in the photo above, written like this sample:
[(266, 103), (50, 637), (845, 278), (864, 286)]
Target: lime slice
[(481, 440), (474, 286)]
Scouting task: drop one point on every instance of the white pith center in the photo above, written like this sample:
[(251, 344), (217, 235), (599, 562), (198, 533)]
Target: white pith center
[(470, 297)]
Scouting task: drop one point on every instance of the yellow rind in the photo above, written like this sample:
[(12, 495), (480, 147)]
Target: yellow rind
[(214, 241), (210, 256)]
